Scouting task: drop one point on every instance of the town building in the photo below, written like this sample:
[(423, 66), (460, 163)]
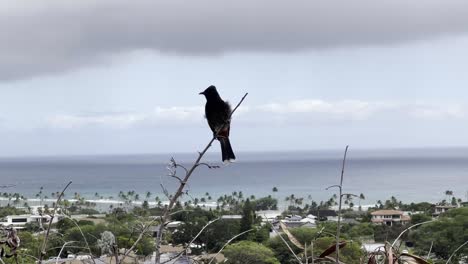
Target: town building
[(19, 221), (440, 209), (389, 217)]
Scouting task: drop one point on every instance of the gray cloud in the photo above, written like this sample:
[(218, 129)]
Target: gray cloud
[(45, 37)]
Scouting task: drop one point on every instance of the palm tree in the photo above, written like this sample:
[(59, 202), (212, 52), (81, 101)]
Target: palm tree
[(275, 189), (379, 204), (148, 194), (449, 194), (361, 197)]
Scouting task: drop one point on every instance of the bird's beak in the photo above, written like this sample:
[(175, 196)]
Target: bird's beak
[(202, 93)]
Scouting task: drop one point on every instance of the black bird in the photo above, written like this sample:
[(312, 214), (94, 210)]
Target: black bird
[(218, 114)]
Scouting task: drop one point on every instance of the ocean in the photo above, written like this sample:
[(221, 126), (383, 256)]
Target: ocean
[(411, 175)]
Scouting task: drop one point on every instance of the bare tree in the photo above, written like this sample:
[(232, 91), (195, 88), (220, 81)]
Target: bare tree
[(46, 235), (340, 197), (183, 182)]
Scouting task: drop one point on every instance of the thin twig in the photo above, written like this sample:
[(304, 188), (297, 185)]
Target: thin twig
[(456, 250), (208, 165), (61, 250), (175, 258), (340, 187), (140, 237), (227, 243), (430, 249), (284, 241), (407, 229), (81, 231), (46, 237)]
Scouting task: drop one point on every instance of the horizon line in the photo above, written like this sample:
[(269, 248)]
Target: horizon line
[(248, 152)]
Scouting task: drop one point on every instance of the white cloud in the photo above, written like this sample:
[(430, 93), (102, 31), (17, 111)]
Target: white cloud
[(160, 116), (438, 112), (75, 121), (178, 113), (355, 110), (347, 109)]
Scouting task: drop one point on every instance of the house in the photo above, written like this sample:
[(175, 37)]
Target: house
[(19, 221), (294, 221), (389, 217), (170, 226), (325, 215), (440, 209), (269, 216), (231, 217)]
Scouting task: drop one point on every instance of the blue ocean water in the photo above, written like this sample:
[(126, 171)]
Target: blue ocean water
[(410, 175)]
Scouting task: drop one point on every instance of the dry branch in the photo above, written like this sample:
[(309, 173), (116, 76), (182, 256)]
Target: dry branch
[(340, 187), (456, 250), (182, 184), (285, 242), (84, 238), (175, 258), (46, 236), (227, 243)]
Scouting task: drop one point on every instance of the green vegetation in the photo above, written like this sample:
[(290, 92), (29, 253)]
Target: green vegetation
[(249, 252), (123, 224), (446, 234)]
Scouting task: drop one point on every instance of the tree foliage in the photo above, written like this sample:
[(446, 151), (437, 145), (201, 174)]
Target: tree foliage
[(448, 233), (247, 252)]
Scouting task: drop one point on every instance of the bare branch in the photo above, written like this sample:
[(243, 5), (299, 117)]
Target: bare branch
[(349, 194), (61, 250), (333, 186), (81, 231), (166, 193), (140, 237), (285, 242), (46, 236), (338, 226), (176, 177), (456, 250), (208, 165), (186, 248), (227, 243), (181, 187), (407, 229)]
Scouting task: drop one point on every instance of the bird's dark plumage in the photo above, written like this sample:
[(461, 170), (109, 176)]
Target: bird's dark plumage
[(218, 113)]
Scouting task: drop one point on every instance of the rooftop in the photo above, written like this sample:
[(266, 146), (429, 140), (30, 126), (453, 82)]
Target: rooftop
[(387, 212)]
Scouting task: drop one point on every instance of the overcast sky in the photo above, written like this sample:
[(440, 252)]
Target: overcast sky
[(119, 77)]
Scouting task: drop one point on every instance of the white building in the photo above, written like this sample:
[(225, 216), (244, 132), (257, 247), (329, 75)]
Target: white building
[(440, 209), (389, 217), (19, 221), (294, 221)]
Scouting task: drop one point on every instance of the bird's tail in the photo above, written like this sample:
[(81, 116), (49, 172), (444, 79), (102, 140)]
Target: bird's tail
[(226, 150)]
